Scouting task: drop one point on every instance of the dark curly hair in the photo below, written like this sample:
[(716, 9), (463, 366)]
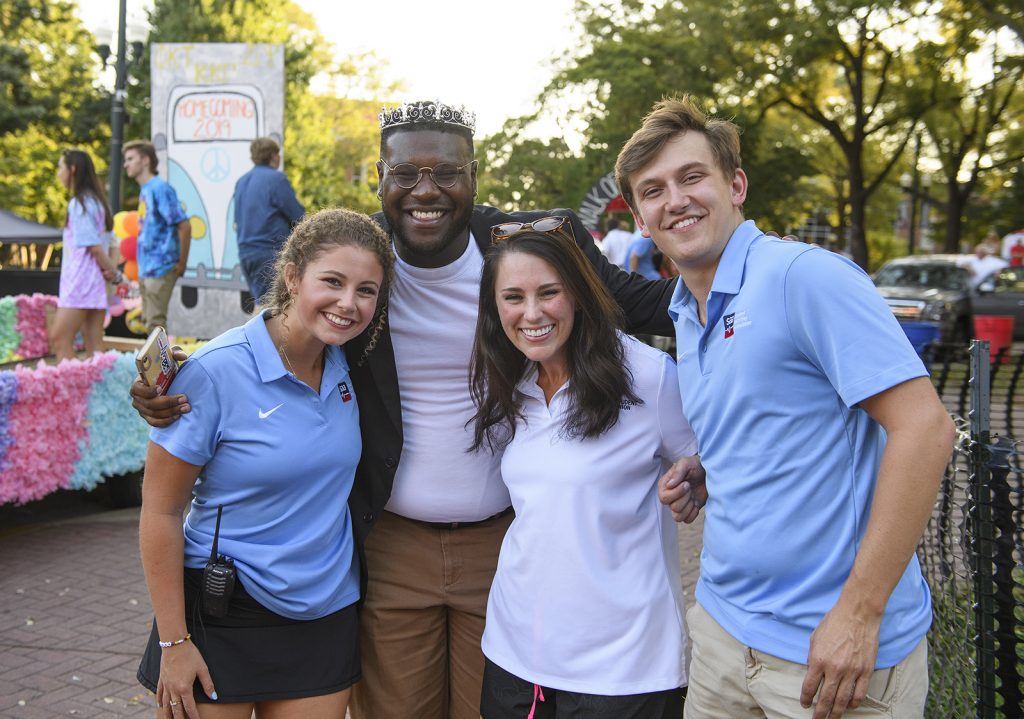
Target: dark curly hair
[(600, 380)]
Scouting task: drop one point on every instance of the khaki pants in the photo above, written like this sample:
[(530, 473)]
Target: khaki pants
[(422, 619), (731, 681), (156, 295)]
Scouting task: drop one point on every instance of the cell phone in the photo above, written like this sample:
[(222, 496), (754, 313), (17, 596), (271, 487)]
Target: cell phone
[(156, 366)]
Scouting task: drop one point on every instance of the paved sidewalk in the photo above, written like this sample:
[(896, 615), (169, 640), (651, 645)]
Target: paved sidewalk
[(75, 615)]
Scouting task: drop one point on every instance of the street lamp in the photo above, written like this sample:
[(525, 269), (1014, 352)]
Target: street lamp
[(117, 111)]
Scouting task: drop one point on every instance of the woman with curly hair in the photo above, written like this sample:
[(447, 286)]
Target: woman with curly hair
[(585, 614), (258, 463)]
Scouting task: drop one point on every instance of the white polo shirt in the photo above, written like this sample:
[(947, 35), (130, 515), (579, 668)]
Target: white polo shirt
[(587, 596)]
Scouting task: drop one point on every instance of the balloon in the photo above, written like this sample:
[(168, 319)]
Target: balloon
[(131, 224), (119, 231), (131, 270), (129, 246)]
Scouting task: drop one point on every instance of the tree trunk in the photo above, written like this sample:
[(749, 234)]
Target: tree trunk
[(858, 238), (955, 202)]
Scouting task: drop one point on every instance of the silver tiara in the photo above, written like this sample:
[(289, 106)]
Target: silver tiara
[(427, 112)]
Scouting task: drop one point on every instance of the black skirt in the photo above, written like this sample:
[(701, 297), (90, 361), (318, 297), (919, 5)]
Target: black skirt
[(255, 655)]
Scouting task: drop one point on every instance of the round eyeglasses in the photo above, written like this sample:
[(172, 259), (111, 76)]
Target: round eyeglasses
[(544, 224), (407, 175)]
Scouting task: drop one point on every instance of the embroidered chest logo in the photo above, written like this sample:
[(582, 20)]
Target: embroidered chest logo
[(264, 415), (346, 396), (734, 321)]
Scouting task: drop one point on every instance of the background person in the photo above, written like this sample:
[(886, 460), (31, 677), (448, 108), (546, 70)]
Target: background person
[(437, 523), (616, 242), (585, 614), (275, 441), (983, 263), (640, 258), (164, 233), (823, 440), (265, 211), (85, 266)]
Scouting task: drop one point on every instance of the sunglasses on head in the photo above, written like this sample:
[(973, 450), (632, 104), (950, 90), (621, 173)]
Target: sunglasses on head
[(502, 232), (407, 176)]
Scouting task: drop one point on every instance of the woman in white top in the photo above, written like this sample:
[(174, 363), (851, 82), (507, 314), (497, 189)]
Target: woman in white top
[(585, 615)]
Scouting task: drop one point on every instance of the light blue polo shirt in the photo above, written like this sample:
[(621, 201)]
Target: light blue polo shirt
[(281, 458), (796, 337)]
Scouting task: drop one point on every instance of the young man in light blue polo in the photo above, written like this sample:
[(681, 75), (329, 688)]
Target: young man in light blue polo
[(823, 440)]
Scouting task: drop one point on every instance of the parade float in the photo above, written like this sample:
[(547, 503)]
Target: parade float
[(69, 425)]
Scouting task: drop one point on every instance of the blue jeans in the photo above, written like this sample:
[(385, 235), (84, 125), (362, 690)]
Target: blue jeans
[(258, 271)]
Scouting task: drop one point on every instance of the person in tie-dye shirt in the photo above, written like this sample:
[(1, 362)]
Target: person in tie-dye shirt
[(86, 265), (164, 233)]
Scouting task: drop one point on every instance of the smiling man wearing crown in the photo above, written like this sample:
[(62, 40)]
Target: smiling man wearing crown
[(438, 513)]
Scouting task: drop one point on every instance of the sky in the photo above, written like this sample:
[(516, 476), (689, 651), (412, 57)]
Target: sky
[(493, 57)]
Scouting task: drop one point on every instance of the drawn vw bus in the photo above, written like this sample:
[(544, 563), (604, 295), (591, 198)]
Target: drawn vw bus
[(209, 129)]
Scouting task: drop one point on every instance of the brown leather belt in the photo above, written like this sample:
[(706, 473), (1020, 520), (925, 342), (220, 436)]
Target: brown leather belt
[(459, 525)]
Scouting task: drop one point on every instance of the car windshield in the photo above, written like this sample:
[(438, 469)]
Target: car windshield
[(940, 276)]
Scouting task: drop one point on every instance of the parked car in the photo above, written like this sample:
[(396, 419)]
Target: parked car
[(1002, 293), (930, 288)]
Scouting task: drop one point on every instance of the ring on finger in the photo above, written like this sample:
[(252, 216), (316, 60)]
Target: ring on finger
[(173, 704)]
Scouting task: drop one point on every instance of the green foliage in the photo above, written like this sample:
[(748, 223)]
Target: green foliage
[(313, 161), (828, 93), (48, 101)]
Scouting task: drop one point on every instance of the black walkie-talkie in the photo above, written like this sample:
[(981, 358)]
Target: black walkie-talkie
[(218, 578)]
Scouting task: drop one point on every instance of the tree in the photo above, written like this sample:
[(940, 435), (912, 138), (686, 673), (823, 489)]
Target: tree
[(1006, 13), (974, 128), (632, 56), (50, 100), (843, 66), (311, 142)]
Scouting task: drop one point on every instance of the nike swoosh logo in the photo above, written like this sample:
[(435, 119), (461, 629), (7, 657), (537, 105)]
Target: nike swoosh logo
[(264, 415)]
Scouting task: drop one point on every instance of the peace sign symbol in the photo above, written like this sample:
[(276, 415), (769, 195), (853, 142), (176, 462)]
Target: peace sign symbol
[(215, 164)]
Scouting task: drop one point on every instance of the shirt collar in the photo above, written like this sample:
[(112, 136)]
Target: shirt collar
[(728, 274), (268, 360)]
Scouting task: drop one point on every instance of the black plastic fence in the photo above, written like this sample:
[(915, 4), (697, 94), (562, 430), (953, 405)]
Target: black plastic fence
[(972, 553)]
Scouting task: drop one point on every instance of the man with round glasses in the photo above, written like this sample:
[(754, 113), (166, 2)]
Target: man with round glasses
[(438, 513)]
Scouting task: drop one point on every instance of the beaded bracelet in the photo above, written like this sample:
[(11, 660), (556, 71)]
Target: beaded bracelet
[(176, 642)]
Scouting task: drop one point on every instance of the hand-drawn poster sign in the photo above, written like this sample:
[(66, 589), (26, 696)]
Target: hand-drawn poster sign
[(204, 116), (209, 102)]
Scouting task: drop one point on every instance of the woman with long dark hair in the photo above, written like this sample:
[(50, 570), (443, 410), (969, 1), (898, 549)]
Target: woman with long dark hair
[(85, 266), (585, 615)]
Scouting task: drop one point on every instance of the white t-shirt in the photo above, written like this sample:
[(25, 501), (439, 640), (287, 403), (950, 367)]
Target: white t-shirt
[(614, 246), (982, 267), (587, 595), (432, 315)]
